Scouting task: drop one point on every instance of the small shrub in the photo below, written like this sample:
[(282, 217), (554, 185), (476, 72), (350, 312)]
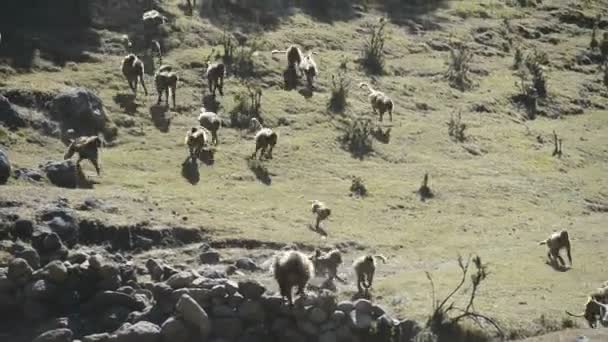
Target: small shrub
[(527, 94), (533, 64), (459, 66), (357, 187), (357, 137), (248, 105), (243, 64), (340, 87), (593, 44), (373, 50), (518, 58), (456, 128), (227, 42)]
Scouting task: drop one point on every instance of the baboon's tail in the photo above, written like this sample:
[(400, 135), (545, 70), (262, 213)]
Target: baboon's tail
[(544, 242), (381, 257), (278, 51), (70, 152), (573, 315)]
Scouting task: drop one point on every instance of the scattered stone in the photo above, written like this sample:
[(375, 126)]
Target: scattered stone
[(361, 320), (5, 167), (363, 306), (56, 271), (155, 269), (24, 229), (28, 254), (252, 311), (139, 332), (63, 173), (104, 337), (228, 328), (57, 335), (187, 309), (210, 257), (19, 271), (77, 257), (246, 264), (174, 330), (317, 315), (251, 289), (181, 279)]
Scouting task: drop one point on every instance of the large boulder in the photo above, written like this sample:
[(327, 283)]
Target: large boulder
[(139, 332), (63, 174), (9, 115), (192, 313), (5, 167), (83, 111), (174, 330)]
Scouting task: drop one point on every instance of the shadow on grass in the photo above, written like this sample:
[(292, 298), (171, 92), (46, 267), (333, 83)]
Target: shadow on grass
[(126, 101), (260, 171), (190, 171), (382, 136), (160, 117), (319, 230), (557, 266), (210, 103)]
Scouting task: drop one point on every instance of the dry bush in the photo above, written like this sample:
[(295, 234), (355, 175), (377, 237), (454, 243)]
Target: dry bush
[(518, 58), (534, 64), (459, 66), (243, 65), (357, 137), (446, 320), (373, 50), (527, 94), (248, 104), (340, 87), (358, 188), (456, 128), (227, 43)]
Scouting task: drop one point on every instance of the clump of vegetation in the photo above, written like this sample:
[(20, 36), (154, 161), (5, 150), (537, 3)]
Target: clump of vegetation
[(248, 105), (527, 94), (456, 128), (357, 137), (340, 87), (227, 43), (459, 66), (243, 65), (358, 188), (594, 44), (425, 191), (518, 58), (446, 319), (534, 64), (373, 50)]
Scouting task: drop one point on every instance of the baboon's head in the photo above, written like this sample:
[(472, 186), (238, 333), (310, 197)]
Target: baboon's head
[(193, 130), (97, 142), (369, 259)]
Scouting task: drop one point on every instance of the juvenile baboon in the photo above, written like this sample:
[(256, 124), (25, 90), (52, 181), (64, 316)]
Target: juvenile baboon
[(365, 267), (594, 313), (196, 139), (87, 148), (381, 103), (555, 243), (133, 70), (309, 67), (127, 43), (265, 139), (166, 80), (294, 57), (321, 210), (292, 269), (210, 121), (328, 263), (215, 77)]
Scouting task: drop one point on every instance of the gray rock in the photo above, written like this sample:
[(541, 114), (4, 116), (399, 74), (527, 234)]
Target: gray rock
[(273, 304), (377, 311), (10, 116), (29, 254), (252, 311), (235, 300), (139, 332), (219, 291), (180, 280), (104, 300), (251, 289), (63, 173), (291, 335), (83, 111), (57, 335), (104, 337), (155, 268), (345, 333), (307, 327), (230, 270), (51, 243), (24, 228), (174, 330), (246, 264), (228, 328), (95, 262), (328, 336), (317, 315), (223, 311), (188, 310), (232, 287), (210, 257), (408, 329), (29, 175), (33, 310), (77, 257), (338, 316), (361, 320), (55, 271), (5, 167), (363, 306), (19, 271)]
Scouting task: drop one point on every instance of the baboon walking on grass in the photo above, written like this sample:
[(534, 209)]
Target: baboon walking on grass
[(87, 148)]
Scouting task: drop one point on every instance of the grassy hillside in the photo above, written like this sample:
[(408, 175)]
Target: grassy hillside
[(497, 204)]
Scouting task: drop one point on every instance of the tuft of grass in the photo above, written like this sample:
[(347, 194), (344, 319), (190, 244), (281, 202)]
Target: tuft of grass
[(534, 64), (459, 66), (340, 87), (357, 137), (527, 94), (373, 49), (358, 188), (248, 104), (456, 128)]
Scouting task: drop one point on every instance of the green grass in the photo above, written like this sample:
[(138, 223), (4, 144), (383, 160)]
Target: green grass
[(498, 205)]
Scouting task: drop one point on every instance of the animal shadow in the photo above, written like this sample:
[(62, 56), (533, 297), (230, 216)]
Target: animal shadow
[(210, 103), (383, 137), (362, 295), (260, 171), (82, 181), (207, 156), (149, 66), (159, 116), (290, 77), (126, 101), (306, 92), (557, 266), (319, 230), (190, 171)]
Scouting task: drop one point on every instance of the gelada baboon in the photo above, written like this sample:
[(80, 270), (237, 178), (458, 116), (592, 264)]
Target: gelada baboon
[(321, 210), (133, 70), (555, 243), (215, 77), (196, 139), (365, 267), (294, 57), (595, 312), (328, 263), (166, 80), (292, 269), (265, 139), (87, 148)]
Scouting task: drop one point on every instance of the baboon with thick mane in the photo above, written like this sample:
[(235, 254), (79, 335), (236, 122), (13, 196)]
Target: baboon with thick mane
[(292, 269), (166, 80), (294, 57), (87, 148), (365, 267), (555, 243), (327, 263), (310, 69), (133, 70), (196, 139), (215, 77)]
